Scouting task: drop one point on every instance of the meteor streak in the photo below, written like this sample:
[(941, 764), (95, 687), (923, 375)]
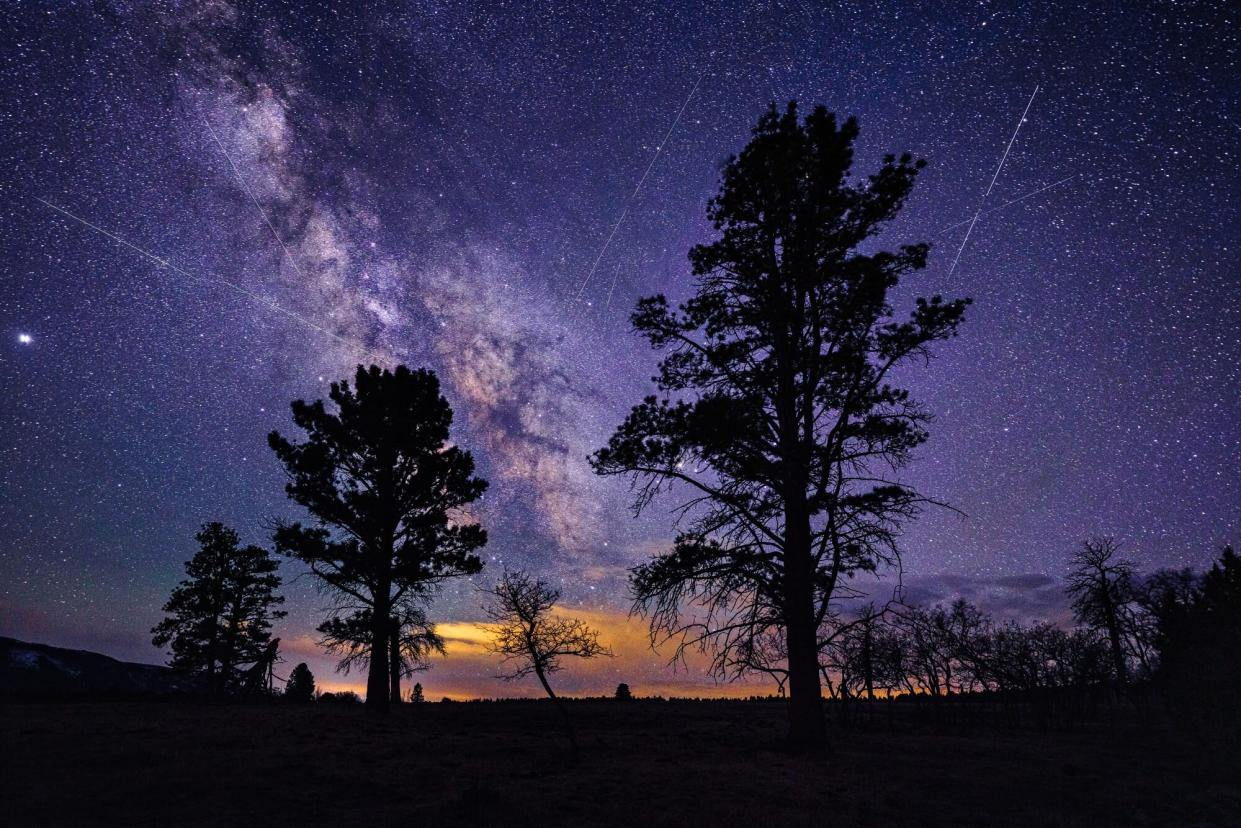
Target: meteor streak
[(615, 276), (658, 151), (664, 142), (1030, 194), (257, 206), (251, 295), (602, 250), (990, 186)]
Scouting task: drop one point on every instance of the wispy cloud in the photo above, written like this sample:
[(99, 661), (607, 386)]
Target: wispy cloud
[(1031, 596)]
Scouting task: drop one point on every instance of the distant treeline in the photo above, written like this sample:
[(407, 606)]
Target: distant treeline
[(1172, 637)]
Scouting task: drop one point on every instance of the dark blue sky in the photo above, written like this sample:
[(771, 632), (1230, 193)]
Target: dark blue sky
[(443, 178)]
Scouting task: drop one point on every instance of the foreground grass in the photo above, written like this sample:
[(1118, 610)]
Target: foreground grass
[(643, 763)]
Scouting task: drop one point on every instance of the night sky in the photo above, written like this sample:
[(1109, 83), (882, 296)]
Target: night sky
[(440, 184)]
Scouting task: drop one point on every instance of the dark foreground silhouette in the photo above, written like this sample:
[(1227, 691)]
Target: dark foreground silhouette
[(643, 762)]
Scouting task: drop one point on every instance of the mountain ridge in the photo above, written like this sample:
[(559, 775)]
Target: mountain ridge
[(33, 669)]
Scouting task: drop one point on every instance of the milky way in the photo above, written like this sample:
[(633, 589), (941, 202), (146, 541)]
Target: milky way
[(440, 184)]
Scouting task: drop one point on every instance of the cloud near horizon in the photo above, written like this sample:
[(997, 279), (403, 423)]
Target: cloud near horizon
[(1024, 597)]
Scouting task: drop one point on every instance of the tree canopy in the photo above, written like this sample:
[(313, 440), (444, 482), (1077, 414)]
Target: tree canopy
[(219, 618), (301, 685), (388, 492), (532, 639), (777, 415)]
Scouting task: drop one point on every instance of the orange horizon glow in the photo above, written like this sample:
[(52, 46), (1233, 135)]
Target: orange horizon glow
[(470, 671)]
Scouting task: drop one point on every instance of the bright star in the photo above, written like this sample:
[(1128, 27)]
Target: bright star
[(25, 339)]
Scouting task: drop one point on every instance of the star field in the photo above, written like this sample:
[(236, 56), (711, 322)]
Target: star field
[(433, 183)]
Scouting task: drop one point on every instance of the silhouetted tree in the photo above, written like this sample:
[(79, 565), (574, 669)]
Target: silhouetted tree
[(219, 618), (340, 697), (411, 641), (936, 651), (386, 489), (301, 685), (415, 695), (1102, 588), (866, 650), (1201, 648), (929, 649), (966, 625), (531, 637), (942, 646), (1164, 598), (1023, 658), (866, 654), (777, 413), (622, 692)]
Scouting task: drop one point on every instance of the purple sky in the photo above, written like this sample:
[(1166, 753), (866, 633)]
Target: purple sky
[(434, 184)]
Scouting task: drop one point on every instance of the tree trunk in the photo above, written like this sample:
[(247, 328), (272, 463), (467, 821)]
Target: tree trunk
[(394, 661), (213, 671), (377, 687), (868, 664), (806, 726), (564, 715), (1118, 652), (231, 643)]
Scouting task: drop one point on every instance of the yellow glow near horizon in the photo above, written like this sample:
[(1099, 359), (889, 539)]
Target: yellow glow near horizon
[(471, 671)]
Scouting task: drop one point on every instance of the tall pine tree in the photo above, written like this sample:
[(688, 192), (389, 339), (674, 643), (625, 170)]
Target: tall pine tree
[(777, 413), (386, 490), (1201, 651), (219, 618)]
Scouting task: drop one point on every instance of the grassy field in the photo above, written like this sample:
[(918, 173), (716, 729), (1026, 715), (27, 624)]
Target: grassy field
[(643, 763)]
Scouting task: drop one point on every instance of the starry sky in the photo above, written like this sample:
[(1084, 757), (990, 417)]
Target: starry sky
[(487, 188)]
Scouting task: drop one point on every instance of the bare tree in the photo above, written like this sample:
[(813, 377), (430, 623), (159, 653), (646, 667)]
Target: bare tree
[(942, 646), (1103, 590), (867, 655), (929, 649), (860, 654), (532, 638)]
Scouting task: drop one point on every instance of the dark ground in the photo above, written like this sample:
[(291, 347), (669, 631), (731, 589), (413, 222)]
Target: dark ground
[(643, 763)]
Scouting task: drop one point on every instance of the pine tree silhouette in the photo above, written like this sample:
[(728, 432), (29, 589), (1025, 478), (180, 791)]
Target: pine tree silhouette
[(301, 685), (219, 618), (777, 407), (384, 486)]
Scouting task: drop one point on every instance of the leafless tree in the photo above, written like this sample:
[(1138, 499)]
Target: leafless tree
[(531, 638), (1103, 590)]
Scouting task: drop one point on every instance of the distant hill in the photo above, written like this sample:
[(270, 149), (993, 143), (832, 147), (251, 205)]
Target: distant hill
[(33, 670)]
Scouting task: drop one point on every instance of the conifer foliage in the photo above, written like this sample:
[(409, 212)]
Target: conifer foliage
[(219, 617), (301, 685), (386, 491), (778, 418)]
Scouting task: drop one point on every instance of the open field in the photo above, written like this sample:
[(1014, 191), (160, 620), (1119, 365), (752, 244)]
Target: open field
[(643, 762)]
